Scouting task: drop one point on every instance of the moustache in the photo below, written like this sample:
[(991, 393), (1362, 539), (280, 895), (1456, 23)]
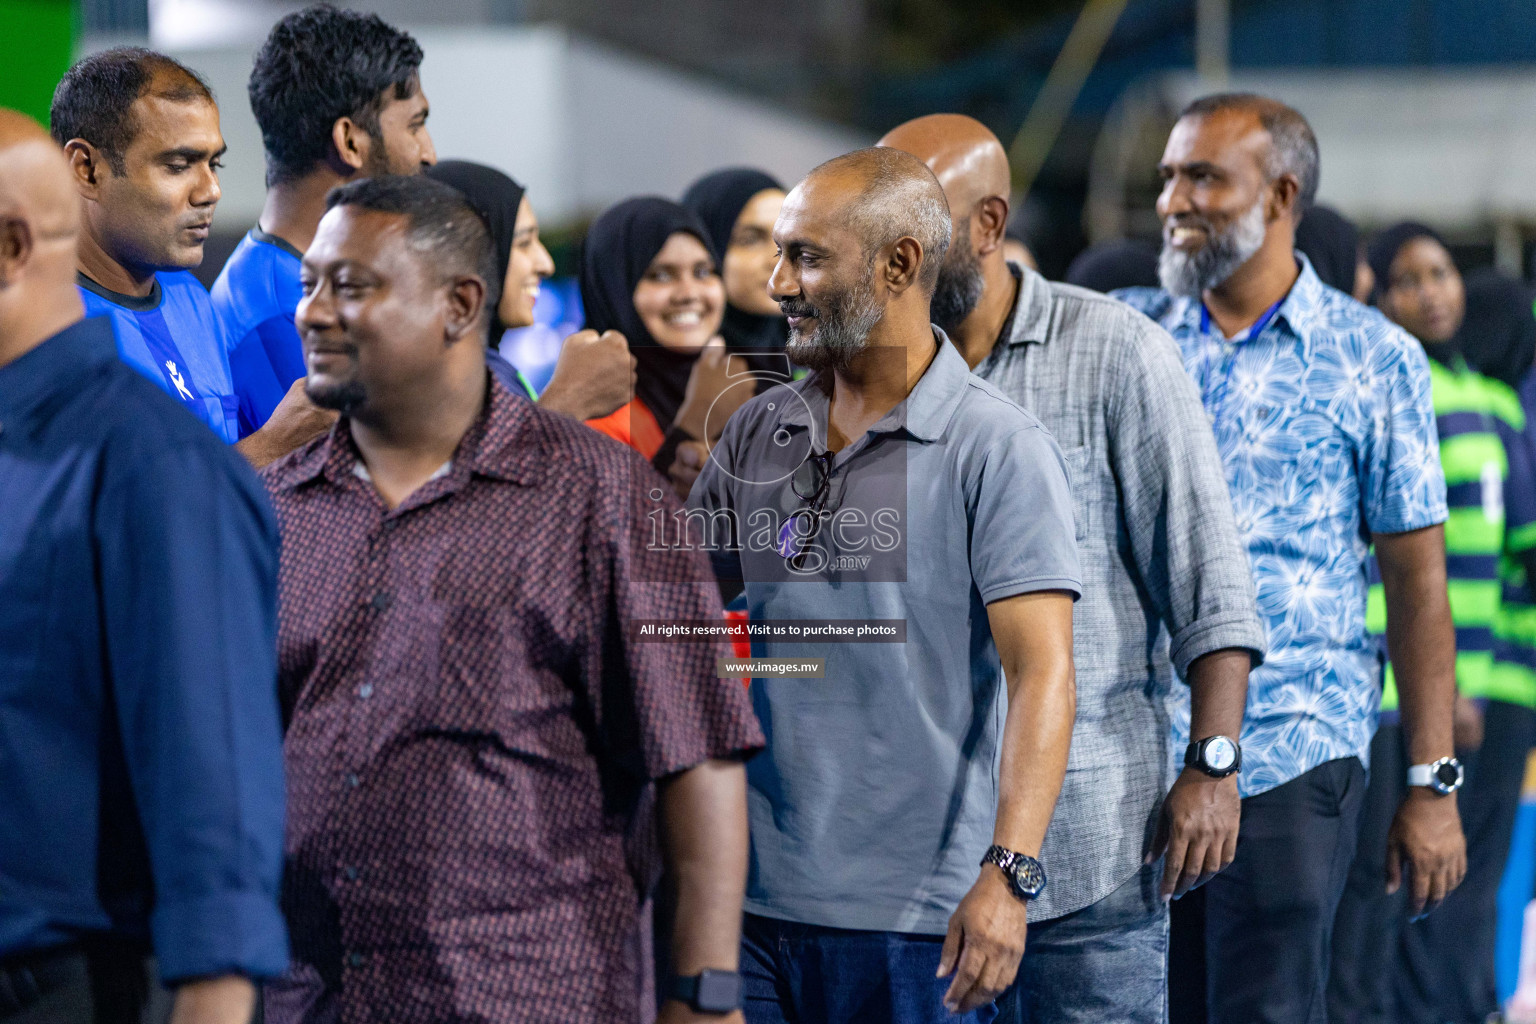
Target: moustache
[(789, 307)]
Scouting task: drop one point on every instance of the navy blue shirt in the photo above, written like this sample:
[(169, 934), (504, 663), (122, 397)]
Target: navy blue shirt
[(140, 751)]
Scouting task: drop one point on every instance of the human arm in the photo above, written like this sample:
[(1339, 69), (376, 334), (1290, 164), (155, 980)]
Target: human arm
[(704, 832), (1033, 633), (294, 423), (1425, 836), (594, 376), (187, 555), (230, 999), (1199, 824)]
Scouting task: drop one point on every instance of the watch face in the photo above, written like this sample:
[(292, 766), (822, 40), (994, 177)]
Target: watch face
[(1028, 878), (1448, 775), (1220, 754), (719, 992)]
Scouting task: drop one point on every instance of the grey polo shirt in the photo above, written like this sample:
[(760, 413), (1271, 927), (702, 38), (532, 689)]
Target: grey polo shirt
[(877, 794), (1165, 576)]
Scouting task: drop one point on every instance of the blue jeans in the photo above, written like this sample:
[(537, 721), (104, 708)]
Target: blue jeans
[(1104, 964), (805, 974)]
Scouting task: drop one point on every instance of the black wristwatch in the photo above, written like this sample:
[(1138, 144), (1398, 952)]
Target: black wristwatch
[(1026, 877), (708, 991), (1216, 756)]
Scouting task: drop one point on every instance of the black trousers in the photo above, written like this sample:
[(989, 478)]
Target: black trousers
[(1252, 945), (100, 981), (1388, 970)]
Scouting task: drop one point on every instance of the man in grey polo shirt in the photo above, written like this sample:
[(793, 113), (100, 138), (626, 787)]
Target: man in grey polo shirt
[(892, 484), (1159, 548)]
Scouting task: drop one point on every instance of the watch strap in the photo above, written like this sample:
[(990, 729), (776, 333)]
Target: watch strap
[(1421, 775)]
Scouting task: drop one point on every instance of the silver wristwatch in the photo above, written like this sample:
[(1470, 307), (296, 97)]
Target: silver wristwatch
[(1443, 776)]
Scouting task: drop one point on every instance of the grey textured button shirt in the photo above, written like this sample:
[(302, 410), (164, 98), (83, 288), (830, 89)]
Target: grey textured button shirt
[(1165, 579), (877, 794)]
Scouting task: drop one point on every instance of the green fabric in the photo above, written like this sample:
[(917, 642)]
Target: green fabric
[(37, 45)]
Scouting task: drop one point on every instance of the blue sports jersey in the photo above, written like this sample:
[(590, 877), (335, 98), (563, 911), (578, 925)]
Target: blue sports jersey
[(255, 296), (173, 337)]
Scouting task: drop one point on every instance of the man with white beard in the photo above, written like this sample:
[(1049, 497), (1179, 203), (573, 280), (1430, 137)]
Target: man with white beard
[(1322, 415)]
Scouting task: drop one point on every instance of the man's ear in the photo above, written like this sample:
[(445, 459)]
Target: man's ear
[(903, 259), (87, 166), (1284, 192), (351, 145), (466, 303), (992, 221), (15, 248)]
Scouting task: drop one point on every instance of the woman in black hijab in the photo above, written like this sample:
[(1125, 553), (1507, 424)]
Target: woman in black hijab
[(738, 207), (648, 272), (594, 376)]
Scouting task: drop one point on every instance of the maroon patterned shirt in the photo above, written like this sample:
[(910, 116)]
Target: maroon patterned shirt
[(470, 727)]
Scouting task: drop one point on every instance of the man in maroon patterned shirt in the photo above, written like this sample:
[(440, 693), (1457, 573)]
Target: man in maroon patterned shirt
[(470, 723)]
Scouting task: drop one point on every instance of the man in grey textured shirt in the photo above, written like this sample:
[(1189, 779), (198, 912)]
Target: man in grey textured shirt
[(1166, 586)]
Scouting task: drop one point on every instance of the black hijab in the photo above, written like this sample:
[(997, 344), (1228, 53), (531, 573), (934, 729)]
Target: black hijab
[(1498, 336), (718, 199), (1387, 244), (1331, 244), (619, 246), (496, 198)]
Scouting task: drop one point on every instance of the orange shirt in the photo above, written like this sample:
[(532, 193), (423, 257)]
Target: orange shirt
[(634, 425)]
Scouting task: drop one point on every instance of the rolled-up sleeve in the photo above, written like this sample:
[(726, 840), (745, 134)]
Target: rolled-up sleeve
[(1178, 512), (188, 561)]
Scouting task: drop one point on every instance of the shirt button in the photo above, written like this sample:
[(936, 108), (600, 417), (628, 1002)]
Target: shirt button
[(381, 601), (354, 959), (365, 691), (353, 781)]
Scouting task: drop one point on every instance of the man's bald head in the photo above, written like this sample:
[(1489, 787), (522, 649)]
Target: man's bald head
[(39, 225), (36, 189), (883, 195), (963, 154)]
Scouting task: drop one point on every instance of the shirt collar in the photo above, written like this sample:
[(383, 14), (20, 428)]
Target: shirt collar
[(1299, 311), (1031, 309), (133, 303), (506, 443), (924, 413), (53, 370)]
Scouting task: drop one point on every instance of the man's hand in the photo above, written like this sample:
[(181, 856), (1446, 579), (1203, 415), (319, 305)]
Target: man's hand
[(1198, 831), (594, 376), (674, 1012), (687, 463), (984, 944), (1467, 725), (1427, 841), (294, 423), (230, 999)]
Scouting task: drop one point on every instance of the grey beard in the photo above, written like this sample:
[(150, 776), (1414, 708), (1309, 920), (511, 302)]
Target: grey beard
[(1195, 273), (842, 330), (959, 287)]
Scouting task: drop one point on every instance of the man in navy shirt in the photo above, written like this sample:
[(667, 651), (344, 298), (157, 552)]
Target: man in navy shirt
[(141, 132), (140, 755)]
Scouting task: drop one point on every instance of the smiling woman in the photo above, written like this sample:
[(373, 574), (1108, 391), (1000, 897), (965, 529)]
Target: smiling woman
[(647, 271)]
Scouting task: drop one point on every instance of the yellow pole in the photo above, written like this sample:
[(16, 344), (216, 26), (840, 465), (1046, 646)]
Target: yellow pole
[(1049, 112)]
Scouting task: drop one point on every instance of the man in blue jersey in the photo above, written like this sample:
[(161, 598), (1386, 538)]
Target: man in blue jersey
[(338, 96), (141, 132)]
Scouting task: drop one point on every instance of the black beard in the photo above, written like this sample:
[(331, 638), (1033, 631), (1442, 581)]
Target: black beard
[(344, 398), (960, 283)]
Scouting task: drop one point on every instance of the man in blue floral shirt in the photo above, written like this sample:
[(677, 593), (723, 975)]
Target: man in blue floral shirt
[(1322, 415)]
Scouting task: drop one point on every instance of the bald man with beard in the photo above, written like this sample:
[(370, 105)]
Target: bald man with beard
[(1167, 612), (142, 763)]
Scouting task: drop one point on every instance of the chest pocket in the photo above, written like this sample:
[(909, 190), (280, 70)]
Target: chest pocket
[(1084, 494)]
